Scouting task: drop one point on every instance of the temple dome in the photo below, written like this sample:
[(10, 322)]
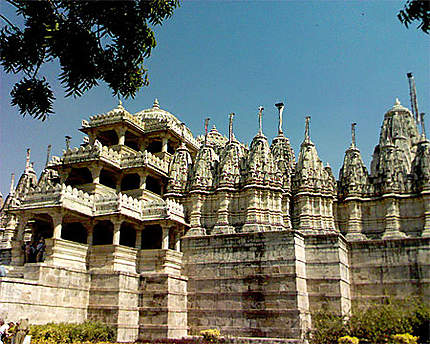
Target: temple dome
[(155, 113), (397, 107)]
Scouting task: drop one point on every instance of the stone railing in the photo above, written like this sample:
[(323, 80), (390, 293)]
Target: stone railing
[(49, 195), (145, 159), (175, 208), (108, 204), (114, 116), (129, 206), (91, 152), (154, 209)]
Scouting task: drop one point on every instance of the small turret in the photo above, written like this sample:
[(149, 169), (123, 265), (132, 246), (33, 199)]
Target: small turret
[(353, 176)]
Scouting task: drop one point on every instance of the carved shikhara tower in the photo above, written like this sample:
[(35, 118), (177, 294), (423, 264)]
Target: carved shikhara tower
[(162, 235)]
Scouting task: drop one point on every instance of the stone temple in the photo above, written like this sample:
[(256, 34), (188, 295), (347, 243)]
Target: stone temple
[(161, 234)]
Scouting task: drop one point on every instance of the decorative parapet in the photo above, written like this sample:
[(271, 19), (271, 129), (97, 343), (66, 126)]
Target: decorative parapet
[(145, 159), (168, 209), (156, 124), (91, 152), (87, 153), (116, 115), (58, 195)]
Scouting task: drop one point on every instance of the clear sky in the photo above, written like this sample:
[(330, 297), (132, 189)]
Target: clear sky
[(337, 61)]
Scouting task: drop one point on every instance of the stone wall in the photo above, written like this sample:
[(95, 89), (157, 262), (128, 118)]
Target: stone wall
[(327, 271), (382, 268), (45, 294), (251, 284)]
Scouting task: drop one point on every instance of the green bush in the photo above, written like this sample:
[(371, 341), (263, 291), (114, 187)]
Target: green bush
[(373, 323), (348, 340), (63, 333), (404, 338)]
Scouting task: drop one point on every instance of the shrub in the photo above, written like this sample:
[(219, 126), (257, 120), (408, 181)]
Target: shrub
[(374, 323), (211, 335), (63, 333), (405, 338), (348, 340), (328, 327)]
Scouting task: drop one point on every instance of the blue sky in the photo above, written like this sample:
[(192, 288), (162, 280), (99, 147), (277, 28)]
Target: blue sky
[(336, 61)]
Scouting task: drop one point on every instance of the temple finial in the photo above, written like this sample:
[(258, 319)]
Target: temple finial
[(27, 160), (12, 183), (423, 128), (230, 127), (156, 104), (68, 138), (260, 116), (307, 131), (353, 143), (183, 134), (397, 102), (280, 107), (48, 154), (206, 130)]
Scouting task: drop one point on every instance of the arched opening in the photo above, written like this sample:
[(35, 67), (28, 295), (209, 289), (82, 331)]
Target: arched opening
[(154, 146), (131, 141), (130, 182), (103, 233), (127, 235), (42, 227), (79, 176), (74, 231), (108, 138), (152, 237), (108, 178), (170, 148), (153, 184)]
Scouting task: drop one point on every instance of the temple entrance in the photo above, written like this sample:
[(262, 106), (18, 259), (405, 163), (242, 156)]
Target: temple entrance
[(74, 231), (103, 233), (128, 235), (152, 237)]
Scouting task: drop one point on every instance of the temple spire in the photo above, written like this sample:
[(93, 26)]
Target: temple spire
[(48, 154), (230, 127), (156, 104), (280, 107), (307, 132), (260, 116), (68, 138), (206, 130), (423, 128), (183, 135), (353, 143), (27, 160), (12, 184)]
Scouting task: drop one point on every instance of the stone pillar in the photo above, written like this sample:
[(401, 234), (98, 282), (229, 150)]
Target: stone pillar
[(304, 212), (165, 237), (252, 218), (354, 221), (164, 142), (426, 203), (95, 173), (138, 244), (121, 135), (143, 176), (116, 231), (17, 251), (57, 220), (392, 220), (178, 239), (64, 173), (222, 224), (90, 232), (286, 210), (196, 215)]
